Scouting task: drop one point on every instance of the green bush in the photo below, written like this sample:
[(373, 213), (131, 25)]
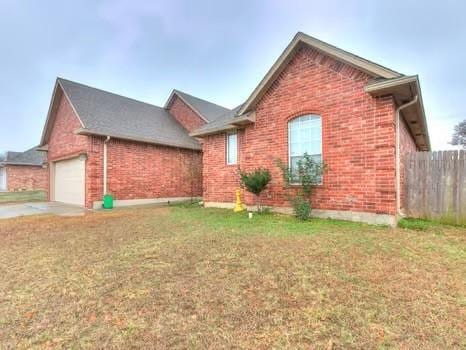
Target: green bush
[(255, 182), (301, 208), (307, 174)]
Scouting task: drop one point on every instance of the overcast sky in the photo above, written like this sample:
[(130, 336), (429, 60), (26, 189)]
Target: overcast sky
[(215, 50)]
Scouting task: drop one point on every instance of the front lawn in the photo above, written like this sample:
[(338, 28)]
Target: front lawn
[(192, 278), (23, 196)]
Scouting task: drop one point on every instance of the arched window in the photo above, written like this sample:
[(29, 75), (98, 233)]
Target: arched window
[(304, 136)]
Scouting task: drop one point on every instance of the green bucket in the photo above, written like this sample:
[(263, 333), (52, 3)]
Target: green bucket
[(108, 202)]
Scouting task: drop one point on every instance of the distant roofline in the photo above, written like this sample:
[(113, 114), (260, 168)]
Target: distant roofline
[(177, 93)]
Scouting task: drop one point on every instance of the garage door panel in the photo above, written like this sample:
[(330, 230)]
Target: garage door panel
[(69, 181), (2, 179)]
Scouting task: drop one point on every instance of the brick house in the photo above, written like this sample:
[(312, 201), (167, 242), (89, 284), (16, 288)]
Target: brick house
[(21, 171), (359, 117), (98, 142)]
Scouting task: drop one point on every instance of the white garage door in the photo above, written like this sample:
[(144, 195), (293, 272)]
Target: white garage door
[(2, 179), (69, 181)]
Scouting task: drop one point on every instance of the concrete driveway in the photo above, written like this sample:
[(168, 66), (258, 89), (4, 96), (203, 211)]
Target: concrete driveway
[(37, 208)]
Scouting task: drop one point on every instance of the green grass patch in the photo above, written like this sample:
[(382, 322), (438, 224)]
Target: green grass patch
[(415, 224), (22, 196), (425, 225), (222, 220)]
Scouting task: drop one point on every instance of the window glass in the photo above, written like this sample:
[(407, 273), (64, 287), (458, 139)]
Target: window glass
[(304, 136), (232, 148)]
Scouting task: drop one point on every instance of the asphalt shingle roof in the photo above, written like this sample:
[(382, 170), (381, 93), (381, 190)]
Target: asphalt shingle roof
[(30, 157), (208, 110), (106, 113)]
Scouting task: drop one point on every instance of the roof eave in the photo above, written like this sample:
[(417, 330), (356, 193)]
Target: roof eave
[(88, 132), (244, 120), (405, 89), (43, 148), (213, 131)]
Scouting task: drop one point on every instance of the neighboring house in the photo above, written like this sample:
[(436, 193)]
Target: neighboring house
[(21, 171), (98, 142), (360, 118)]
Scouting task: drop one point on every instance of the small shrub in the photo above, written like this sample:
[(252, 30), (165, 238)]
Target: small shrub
[(307, 174), (301, 208), (255, 182)]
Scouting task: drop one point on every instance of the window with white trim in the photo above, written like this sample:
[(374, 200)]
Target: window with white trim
[(232, 148), (304, 136)]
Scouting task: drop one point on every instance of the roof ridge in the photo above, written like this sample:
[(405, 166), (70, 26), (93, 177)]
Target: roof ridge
[(108, 92)]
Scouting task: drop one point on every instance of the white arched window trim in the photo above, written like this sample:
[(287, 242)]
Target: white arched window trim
[(304, 136)]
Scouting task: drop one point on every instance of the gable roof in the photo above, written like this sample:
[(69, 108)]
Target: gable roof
[(208, 111), (371, 68), (380, 74), (107, 114), (31, 157)]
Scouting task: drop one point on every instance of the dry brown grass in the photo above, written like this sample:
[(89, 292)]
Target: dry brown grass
[(196, 278)]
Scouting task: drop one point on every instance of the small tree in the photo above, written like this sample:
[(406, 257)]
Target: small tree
[(255, 182), (459, 135), (306, 175)]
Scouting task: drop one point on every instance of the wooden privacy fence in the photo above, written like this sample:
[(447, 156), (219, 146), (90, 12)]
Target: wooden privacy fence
[(436, 186)]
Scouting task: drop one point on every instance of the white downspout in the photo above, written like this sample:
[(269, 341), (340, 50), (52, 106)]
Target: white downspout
[(105, 165), (398, 151)]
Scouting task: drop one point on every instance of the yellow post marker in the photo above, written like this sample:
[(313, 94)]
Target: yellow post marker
[(238, 205)]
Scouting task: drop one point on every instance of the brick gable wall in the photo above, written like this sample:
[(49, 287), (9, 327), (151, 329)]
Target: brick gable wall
[(24, 177), (358, 138), (185, 115), (63, 142)]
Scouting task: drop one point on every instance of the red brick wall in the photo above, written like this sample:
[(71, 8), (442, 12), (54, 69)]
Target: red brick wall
[(185, 115), (139, 171), (407, 145), (220, 180), (63, 142), (24, 177), (358, 138)]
